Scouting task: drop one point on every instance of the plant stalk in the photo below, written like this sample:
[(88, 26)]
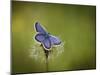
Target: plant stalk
[(46, 56)]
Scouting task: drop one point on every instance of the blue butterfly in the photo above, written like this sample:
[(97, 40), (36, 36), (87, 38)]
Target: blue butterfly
[(45, 38)]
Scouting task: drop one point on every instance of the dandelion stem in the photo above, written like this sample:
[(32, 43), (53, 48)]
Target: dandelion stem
[(46, 55)]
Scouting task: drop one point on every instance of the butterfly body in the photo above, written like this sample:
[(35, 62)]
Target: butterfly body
[(45, 38)]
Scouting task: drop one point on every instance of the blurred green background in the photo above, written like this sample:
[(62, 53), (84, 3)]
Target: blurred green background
[(75, 24)]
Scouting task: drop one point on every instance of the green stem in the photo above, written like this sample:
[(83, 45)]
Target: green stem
[(46, 55), (47, 64)]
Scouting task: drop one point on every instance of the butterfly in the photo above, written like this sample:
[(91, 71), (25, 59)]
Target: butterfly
[(45, 38)]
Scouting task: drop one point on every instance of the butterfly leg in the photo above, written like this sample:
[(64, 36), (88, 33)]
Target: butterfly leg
[(40, 44)]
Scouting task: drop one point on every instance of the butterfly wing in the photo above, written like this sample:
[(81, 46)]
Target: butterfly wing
[(54, 40), (39, 28), (39, 37), (47, 43)]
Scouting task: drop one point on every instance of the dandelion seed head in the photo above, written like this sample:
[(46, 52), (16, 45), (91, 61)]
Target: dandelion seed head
[(36, 52)]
